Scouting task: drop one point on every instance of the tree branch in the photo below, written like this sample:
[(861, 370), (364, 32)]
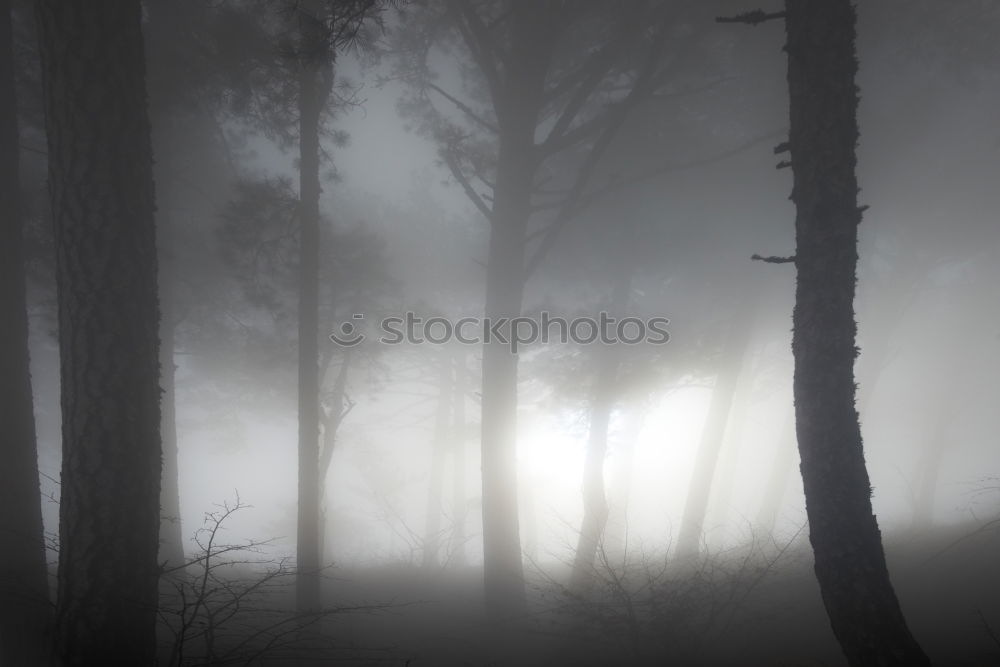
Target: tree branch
[(773, 259), (477, 38), (464, 108), (449, 159), (754, 18)]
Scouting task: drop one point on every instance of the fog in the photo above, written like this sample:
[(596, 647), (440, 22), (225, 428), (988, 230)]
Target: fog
[(668, 223)]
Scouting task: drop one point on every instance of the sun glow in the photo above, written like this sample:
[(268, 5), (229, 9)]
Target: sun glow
[(647, 470)]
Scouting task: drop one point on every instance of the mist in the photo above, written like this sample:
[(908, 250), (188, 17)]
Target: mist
[(500, 333)]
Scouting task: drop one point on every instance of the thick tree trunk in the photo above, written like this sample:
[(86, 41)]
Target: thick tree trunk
[(100, 179), (161, 32), (24, 609), (696, 504), (439, 452), (518, 114), (315, 81), (850, 564), (459, 496), (171, 535)]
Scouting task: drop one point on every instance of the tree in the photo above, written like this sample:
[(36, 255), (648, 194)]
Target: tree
[(101, 189), (24, 609), (850, 562), (731, 365), (547, 86), (315, 84)]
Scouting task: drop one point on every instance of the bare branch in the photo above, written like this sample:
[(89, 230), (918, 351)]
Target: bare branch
[(464, 108), (470, 192), (773, 259), (754, 18), (477, 38)]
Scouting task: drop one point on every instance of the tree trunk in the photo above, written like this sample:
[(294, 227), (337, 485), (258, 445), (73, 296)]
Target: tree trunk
[(161, 33), (616, 532), (696, 505), (595, 502), (315, 84), (935, 445), (24, 586), (101, 186), (720, 503), (171, 536), (331, 424), (782, 467), (459, 496), (439, 447), (518, 115), (850, 564)]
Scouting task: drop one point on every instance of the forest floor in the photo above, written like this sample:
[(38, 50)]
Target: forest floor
[(752, 605)]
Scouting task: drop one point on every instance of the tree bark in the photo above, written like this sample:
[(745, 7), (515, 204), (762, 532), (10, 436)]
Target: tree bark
[(849, 560), (171, 535), (161, 35), (24, 586), (314, 87), (101, 186)]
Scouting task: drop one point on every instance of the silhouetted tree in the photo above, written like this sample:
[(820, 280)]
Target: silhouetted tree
[(101, 186), (549, 87), (24, 608), (850, 563)]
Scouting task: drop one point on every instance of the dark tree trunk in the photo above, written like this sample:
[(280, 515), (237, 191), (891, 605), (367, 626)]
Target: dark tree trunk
[(439, 452), (100, 179), (315, 84), (171, 535), (696, 504), (161, 35), (518, 115), (850, 564), (24, 609)]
